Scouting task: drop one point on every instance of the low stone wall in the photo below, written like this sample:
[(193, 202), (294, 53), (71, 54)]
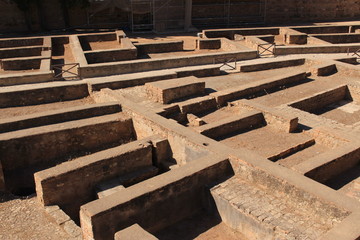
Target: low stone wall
[(168, 91), (77, 51), (159, 47), (273, 117), (293, 37), (322, 29), (321, 100), (98, 37), (126, 43), (252, 88), (17, 64), (348, 59), (339, 38), (57, 116), (42, 93), (229, 33), (231, 125), (208, 43), (20, 52), (325, 69), (168, 198), (198, 105), (330, 48), (27, 151), (134, 232), (323, 167), (129, 80), (21, 42), (73, 183), (271, 65), (112, 55), (141, 65), (254, 42), (26, 78)]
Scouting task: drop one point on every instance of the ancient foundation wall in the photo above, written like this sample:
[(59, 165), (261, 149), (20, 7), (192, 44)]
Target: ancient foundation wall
[(72, 184), (296, 11), (323, 99), (173, 196)]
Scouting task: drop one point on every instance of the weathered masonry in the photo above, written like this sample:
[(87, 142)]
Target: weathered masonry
[(242, 133)]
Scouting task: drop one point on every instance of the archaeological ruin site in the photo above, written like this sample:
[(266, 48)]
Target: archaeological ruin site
[(180, 119)]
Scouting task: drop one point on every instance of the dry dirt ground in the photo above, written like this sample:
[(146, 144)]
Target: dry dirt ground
[(24, 219)]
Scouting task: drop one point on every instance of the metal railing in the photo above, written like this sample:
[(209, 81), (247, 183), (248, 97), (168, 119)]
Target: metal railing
[(229, 62), (356, 53), (66, 71), (266, 49)]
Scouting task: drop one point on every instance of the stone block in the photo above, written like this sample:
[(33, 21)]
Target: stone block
[(324, 70), (198, 105), (208, 43), (232, 124), (163, 150), (169, 90), (194, 120)]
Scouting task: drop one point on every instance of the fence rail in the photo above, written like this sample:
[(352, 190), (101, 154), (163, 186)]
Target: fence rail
[(266, 49), (66, 71), (229, 62)]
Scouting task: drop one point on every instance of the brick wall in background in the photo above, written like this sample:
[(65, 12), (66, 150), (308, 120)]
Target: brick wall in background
[(286, 12), (206, 13), (11, 18)]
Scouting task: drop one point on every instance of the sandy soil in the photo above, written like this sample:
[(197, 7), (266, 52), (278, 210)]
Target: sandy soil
[(104, 45), (24, 219), (266, 141)]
